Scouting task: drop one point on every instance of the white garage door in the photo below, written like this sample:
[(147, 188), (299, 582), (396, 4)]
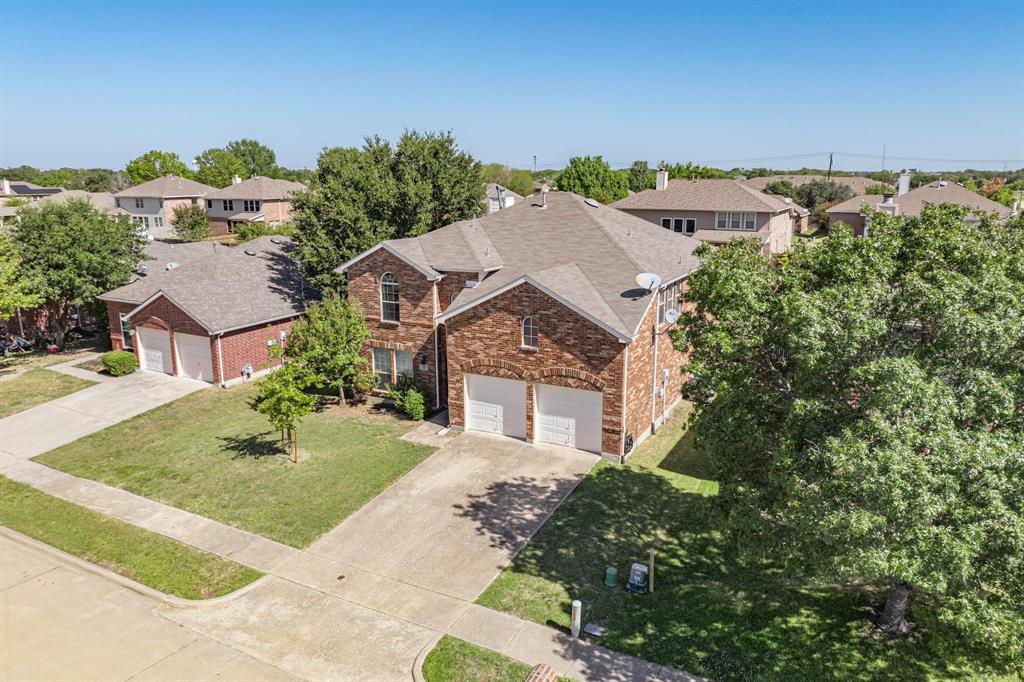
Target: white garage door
[(194, 358), (496, 405), (569, 416), (154, 349)]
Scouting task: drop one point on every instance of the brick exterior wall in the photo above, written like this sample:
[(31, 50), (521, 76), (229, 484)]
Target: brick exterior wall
[(219, 228), (453, 283), (114, 311), (415, 330), (277, 211), (572, 352)]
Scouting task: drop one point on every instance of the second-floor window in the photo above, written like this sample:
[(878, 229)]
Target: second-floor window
[(140, 203), (529, 332), (250, 204), (229, 204), (389, 298), (735, 220), (209, 203), (669, 298)]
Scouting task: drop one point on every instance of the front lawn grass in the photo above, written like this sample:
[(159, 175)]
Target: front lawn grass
[(210, 453), (709, 614), (35, 387), (454, 660), (142, 555)]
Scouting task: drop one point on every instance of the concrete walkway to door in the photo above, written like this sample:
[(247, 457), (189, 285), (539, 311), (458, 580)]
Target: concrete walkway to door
[(61, 421)]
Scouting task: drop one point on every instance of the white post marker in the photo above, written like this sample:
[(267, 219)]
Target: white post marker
[(577, 616)]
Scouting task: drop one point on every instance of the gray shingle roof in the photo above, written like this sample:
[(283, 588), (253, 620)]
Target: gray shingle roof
[(167, 186), (913, 201), (855, 182), (704, 195), (104, 201), (158, 255), (587, 255), (258, 187), (232, 287)]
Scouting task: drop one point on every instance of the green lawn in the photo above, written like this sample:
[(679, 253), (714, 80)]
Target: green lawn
[(34, 387), (709, 615), (454, 660), (211, 454), (150, 558)]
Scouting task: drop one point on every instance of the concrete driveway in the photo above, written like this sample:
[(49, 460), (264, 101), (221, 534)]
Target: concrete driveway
[(50, 425)]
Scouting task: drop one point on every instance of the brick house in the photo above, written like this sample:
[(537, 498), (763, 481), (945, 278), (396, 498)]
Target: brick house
[(151, 204), (529, 322), (716, 211), (208, 311), (258, 199)]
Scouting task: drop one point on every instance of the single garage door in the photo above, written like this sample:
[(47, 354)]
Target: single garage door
[(154, 349), (194, 357), (569, 417), (496, 405)]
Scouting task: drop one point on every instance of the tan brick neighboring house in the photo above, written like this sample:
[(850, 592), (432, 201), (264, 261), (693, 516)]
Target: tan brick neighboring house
[(716, 211), (152, 203), (854, 211), (528, 322), (209, 311), (258, 199)]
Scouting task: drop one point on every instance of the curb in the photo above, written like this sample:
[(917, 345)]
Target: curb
[(417, 666), (117, 578)]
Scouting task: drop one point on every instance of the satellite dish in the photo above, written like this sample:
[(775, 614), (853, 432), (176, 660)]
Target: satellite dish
[(648, 280), (671, 315)]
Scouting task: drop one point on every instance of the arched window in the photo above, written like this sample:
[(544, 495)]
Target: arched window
[(389, 297), (529, 332)]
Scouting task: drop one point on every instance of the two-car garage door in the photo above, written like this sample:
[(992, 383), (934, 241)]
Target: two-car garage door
[(562, 416), (194, 357)]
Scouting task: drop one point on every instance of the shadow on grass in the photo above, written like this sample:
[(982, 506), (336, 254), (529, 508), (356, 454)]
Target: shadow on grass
[(256, 446), (710, 614)]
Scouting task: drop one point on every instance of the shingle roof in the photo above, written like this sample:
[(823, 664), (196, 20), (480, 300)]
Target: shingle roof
[(167, 186), (587, 255), (104, 201), (913, 201), (159, 254), (258, 187), (855, 182), (704, 195)]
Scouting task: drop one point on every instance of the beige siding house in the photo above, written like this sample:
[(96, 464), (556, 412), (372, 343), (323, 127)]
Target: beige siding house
[(151, 204), (258, 199), (716, 211)]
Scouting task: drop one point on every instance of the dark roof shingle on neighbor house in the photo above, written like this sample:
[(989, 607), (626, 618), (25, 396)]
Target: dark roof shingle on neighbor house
[(258, 187), (581, 252), (222, 287), (938, 192), (704, 195), (167, 186)]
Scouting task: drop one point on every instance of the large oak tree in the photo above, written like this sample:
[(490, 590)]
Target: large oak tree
[(864, 404)]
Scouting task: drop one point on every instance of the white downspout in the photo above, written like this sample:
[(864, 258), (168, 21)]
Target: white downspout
[(625, 400), (437, 360), (654, 379), (220, 358)]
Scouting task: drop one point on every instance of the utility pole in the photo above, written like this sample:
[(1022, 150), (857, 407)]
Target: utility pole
[(883, 157), (830, 166), (534, 164)]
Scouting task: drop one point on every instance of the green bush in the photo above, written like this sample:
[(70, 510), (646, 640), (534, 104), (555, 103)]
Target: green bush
[(364, 381), (410, 396), (250, 231), (118, 362)]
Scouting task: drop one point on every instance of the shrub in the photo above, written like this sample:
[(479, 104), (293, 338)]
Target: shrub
[(191, 223), (410, 396), (364, 381), (118, 362), (413, 404), (250, 231)]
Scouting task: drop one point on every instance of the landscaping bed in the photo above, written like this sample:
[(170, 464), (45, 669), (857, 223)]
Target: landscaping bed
[(709, 615), (142, 555), (35, 387), (210, 453)]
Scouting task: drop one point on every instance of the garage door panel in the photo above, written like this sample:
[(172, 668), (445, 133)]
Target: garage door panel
[(568, 416), (154, 349), (195, 359), (496, 405)]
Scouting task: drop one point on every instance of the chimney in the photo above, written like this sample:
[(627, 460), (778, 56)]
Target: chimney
[(888, 205), (903, 185), (235, 179), (7, 187), (661, 181)]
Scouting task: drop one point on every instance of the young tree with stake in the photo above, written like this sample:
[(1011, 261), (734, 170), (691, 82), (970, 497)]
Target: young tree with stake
[(282, 400)]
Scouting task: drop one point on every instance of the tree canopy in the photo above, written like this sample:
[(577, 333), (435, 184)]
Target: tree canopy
[(782, 188), (688, 170), (281, 399), (191, 223), (359, 197), (154, 164), (217, 168), (73, 252), (864, 401), (15, 288), (640, 177), (519, 181), (256, 158), (816, 193), (592, 177)]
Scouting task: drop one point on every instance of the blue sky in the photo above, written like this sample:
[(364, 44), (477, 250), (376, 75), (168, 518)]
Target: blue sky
[(95, 84)]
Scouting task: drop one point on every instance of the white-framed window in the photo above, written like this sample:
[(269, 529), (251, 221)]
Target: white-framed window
[(403, 363), (677, 225), (666, 223), (127, 332), (209, 203), (140, 203), (158, 221), (145, 221), (736, 220), (382, 366), (229, 204), (529, 337), (661, 306), (691, 226), (668, 299), (251, 205), (389, 298)]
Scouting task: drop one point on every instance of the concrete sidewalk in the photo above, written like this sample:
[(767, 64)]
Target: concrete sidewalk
[(70, 369)]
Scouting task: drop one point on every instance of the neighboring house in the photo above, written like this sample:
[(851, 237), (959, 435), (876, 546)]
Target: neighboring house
[(208, 311), (258, 199), (857, 183), (715, 211), (102, 201), (854, 211), (19, 192), (152, 203), (499, 197), (529, 322)]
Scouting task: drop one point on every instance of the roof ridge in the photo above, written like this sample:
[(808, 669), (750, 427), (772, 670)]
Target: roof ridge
[(605, 231)]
